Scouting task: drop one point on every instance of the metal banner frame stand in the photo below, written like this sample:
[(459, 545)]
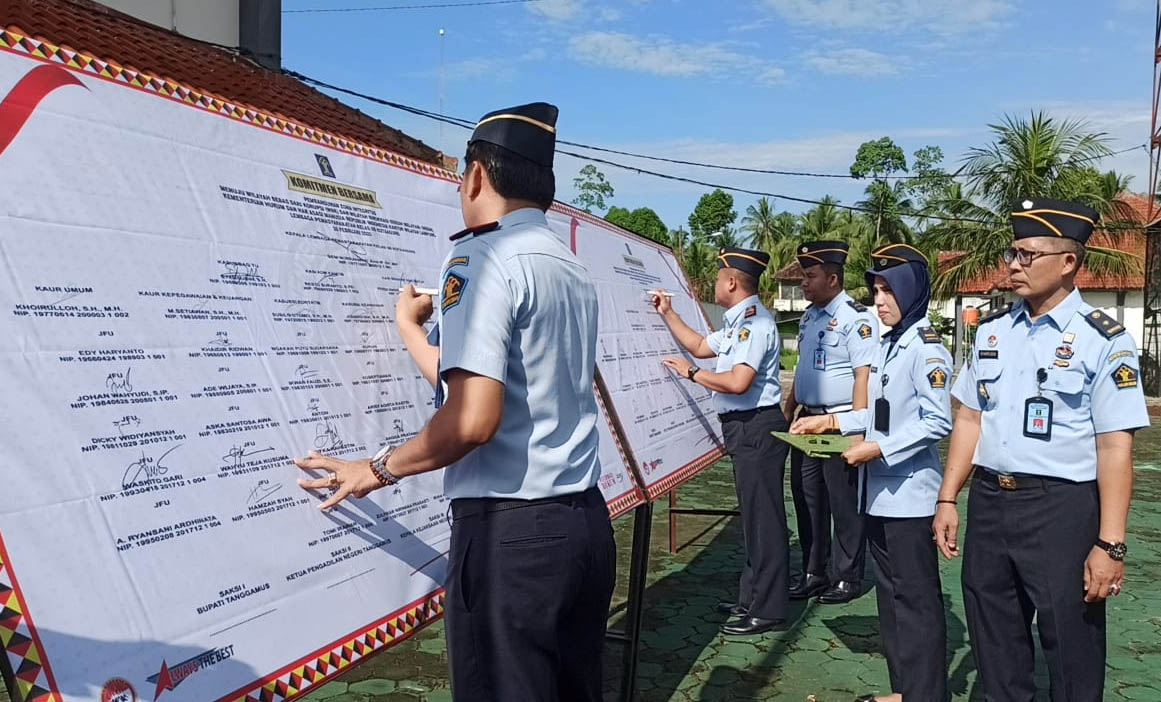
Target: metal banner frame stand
[(674, 510)]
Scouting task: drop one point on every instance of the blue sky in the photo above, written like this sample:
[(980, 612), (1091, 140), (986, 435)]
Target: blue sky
[(782, 84)]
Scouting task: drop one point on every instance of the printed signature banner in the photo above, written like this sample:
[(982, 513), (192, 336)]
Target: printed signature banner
[(193, 292), (668, 422)]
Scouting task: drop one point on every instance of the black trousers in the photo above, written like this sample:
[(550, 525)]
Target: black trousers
[(826, 490), (1024, 555), (759, 470), (527, 598), (910, 599)]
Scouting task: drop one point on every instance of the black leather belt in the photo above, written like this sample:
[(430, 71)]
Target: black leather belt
[(1008, 481), (465, 506), (743, 415)]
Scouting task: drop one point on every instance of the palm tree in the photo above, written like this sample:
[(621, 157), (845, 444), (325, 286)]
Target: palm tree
[(890, 204), (1034, 157), (726, 238), (821, 221), (700, 263), (759, 222), (786, 236)]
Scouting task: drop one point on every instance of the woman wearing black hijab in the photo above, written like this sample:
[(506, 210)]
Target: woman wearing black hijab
[(909, 413)]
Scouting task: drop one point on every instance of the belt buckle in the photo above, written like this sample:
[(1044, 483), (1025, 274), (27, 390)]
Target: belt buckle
[(1007, 482)]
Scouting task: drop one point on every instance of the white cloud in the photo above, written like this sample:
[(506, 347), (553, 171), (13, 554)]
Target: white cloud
[(559, 10), (939, 16), (608, 14), (665, 57), (851, 62)]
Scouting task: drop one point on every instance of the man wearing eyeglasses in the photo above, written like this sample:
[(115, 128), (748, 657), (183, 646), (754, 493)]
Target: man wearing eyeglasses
[(1050, 400)]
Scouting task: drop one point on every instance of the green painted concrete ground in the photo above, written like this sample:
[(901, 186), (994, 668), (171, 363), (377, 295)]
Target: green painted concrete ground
[(831, 652)]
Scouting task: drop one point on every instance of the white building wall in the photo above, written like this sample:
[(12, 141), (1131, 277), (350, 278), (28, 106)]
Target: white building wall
[(1131, 313), (208, 20)]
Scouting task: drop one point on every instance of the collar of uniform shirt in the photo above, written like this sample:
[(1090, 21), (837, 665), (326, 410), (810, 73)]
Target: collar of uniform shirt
[(731, 316), (1060, 315), (833, 306), (908, 335), (524, 215)]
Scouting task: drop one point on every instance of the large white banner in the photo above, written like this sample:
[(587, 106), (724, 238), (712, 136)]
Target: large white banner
[(192, 293), (669, 423)]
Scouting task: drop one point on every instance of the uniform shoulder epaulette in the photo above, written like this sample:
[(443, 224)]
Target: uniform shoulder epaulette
[(481, 229), (997, 314), (929, 335), (858, 306), (1104, 324)]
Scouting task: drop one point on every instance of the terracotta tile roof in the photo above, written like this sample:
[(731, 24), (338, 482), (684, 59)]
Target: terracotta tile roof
[(790, 274), (84, 25), (1134, 208)]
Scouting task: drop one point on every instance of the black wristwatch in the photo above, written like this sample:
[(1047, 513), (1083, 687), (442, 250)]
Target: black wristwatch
[(1116, 549), (692, 372)]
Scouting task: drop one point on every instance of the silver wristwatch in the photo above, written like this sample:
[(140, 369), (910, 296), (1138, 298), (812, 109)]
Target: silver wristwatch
[(379, 467)]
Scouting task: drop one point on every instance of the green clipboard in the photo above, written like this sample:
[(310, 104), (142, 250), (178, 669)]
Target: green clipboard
[(816, 445)]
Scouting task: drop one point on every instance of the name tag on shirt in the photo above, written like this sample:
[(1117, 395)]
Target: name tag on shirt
[(1038, 418), (820, 359)]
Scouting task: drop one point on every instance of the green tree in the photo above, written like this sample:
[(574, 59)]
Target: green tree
[(700, 262), (760, 223), (642, 220), (592, 189), (879, 159), (714, 213), (1033, 157), (821, 221), (930, 180), (725, 238)]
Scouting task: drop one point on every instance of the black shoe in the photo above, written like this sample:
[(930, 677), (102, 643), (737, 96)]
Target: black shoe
[(747, 626), (840, 593), (808, 586), (733, 609)]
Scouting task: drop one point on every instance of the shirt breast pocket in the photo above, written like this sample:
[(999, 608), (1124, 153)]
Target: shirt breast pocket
[(1066, 387), (987, 383)]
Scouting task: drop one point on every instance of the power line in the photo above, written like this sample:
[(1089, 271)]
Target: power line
[(468, 124), (432, 6)]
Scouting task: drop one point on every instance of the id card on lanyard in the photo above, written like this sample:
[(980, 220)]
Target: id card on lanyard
[(1038, 412)]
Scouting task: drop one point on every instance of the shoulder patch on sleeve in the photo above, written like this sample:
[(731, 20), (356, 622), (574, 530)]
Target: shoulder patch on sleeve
[(458, 261), (1119, 354), (937, 377), (1125, 376), (996, 314), (857, 306), (453, 290), (744, 334), (929, 335), (865, 331), (1105, 325), (750, 312)]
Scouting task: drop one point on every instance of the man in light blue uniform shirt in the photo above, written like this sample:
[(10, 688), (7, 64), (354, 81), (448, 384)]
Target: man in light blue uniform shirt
[(909, 413), (532, 559), (747, 393), (1051, 397), (837, 340)]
